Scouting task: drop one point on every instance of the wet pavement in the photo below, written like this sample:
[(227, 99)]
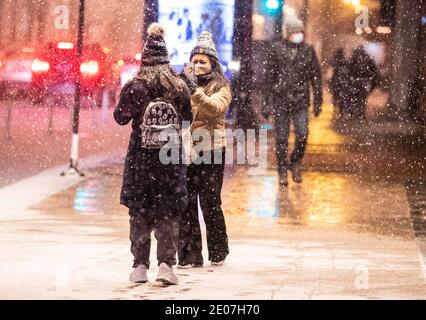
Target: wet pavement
[(34, 138), (353, 229)]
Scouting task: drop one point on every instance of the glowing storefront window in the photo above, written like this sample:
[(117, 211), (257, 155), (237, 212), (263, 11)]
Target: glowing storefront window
[(184, 20)]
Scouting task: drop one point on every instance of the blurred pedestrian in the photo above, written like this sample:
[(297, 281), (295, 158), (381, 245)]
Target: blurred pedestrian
[(294, 69), (170, 37), (217, 26), (185, 26), (364, 79), (155, 193), (205, 24), (340, 80)]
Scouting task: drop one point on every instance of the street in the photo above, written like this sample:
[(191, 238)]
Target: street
[(40, 136)]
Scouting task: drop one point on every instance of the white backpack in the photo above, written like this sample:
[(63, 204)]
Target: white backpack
[(160, 125)]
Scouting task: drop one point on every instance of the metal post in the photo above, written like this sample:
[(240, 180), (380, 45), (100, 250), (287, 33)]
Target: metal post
[(50, 119), (2, 6), (8, 121), (30, 13), (279, 22), (150, 15), (76, 112), (305, 12), (242, 52), (13, 22), (405, 58)]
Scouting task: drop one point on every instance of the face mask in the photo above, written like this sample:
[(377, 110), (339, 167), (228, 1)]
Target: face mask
[(297, 37), (202, 69), (202, 64)]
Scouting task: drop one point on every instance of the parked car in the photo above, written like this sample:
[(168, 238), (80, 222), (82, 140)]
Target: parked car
[(15, 72), (56, 67)]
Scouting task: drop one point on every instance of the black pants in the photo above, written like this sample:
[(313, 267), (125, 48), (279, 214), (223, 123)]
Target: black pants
[(283, 120), (204, 181), (166, 230)]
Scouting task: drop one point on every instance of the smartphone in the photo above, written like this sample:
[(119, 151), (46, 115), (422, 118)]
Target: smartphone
[(189, 69)]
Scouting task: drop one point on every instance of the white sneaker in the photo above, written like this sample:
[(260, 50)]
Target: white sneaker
[(186, 266), (219, 263), (139, 274), (166, 275)]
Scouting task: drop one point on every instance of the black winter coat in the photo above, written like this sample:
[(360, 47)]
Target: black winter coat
[(364, 73), (293, 69), (147, 183)]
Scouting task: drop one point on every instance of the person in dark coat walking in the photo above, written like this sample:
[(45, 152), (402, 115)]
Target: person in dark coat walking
[(155, 193), (293, 69), (364, 79), (340, 81)]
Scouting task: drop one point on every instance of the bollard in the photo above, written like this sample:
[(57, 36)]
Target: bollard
[(8, 134), (73, 169), (50, 118)]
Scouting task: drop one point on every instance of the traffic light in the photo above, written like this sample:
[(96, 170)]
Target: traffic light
[(271, 7)]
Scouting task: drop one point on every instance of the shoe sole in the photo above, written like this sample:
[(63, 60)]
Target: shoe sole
[(166, 282), (139, 280)]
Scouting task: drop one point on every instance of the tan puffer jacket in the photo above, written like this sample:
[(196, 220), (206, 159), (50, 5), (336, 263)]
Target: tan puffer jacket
[(209, 111)]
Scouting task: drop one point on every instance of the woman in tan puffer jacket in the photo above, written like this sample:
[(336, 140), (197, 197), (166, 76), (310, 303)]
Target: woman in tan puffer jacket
[(211, 97)]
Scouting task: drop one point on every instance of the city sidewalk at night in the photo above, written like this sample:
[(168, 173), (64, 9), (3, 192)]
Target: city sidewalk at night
[(346, 232)]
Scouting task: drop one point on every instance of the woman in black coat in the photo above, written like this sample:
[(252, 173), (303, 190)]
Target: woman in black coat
[(155, 193)]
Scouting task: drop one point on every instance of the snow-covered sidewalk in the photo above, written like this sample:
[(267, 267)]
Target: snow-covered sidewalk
[(345, 232), (301, 245)]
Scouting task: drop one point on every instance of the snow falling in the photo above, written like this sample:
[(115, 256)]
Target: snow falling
[(312, 115)]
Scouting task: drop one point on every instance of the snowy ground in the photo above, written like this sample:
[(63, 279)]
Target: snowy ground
[(308, 245), (60, 261), (346, 232)]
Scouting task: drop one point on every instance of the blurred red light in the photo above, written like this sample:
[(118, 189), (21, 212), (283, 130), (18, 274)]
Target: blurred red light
[(39, 66), (89, 67)]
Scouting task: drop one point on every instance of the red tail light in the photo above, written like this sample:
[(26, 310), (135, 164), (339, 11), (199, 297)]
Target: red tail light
[(89, 67), (66, 45), (39, 66)]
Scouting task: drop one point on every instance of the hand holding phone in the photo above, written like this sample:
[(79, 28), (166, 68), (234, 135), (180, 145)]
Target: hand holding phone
[(189, 70), (189, 76)]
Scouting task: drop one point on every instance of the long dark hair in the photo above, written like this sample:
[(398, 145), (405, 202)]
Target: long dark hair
[(218, 79), (161, 80)]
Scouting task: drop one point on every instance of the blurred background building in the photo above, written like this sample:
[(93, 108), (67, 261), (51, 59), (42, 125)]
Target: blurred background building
[(114, 24), (394, 34)]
